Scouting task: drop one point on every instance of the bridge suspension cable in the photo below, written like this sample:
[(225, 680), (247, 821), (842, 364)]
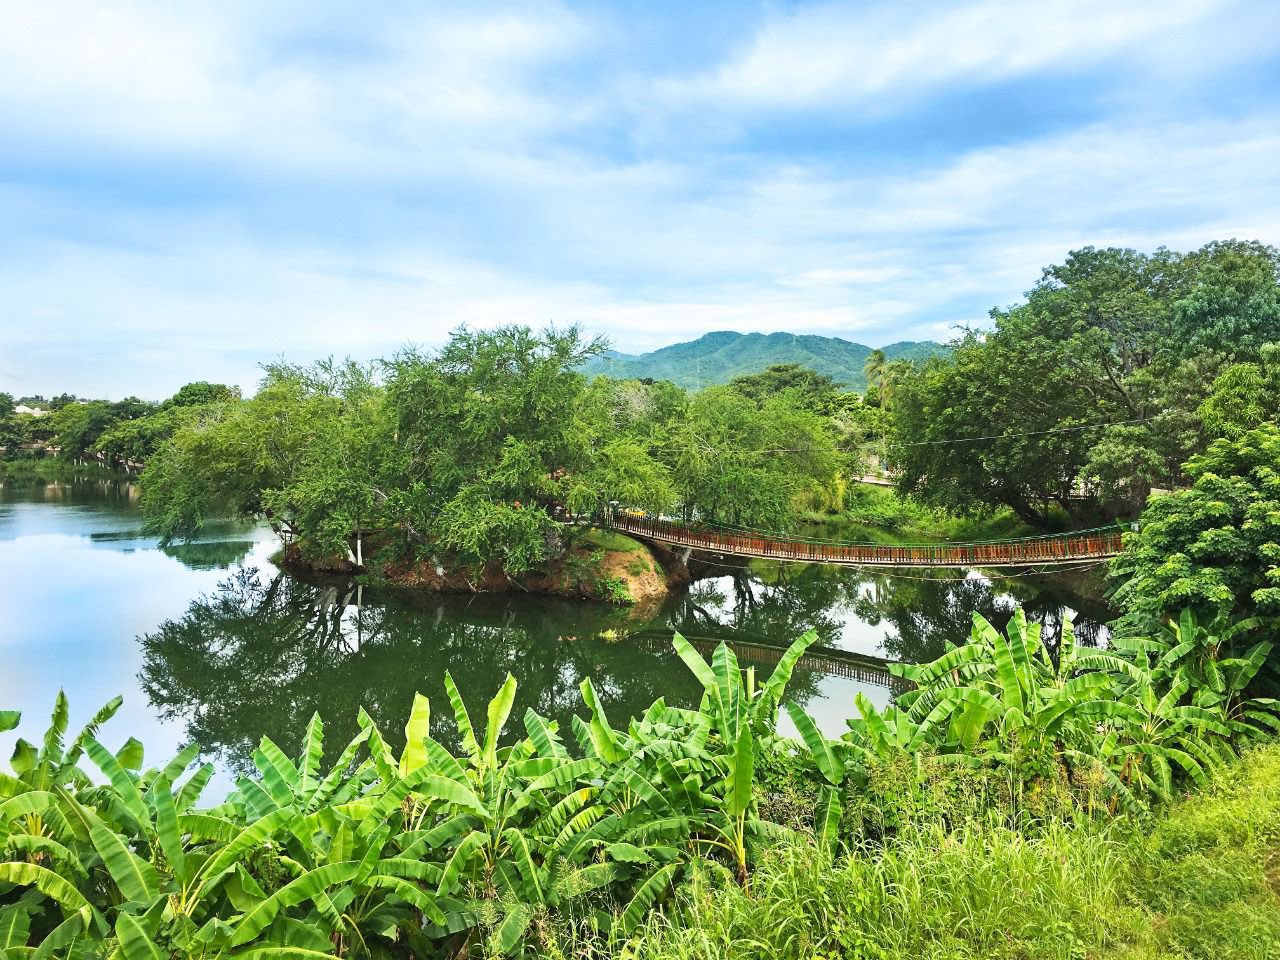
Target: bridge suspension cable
[(1054, 549)]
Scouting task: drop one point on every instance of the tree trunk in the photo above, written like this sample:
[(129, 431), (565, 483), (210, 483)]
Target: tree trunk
[(1025, 511)]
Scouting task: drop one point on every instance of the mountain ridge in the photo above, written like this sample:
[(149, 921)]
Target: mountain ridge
[(721, 355)]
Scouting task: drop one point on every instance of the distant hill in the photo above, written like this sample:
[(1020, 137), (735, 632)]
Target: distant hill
[(719, 357)]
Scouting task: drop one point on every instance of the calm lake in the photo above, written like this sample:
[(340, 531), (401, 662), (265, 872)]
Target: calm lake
[(209, 642)]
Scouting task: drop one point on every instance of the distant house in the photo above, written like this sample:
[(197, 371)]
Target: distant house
[(24, 411)]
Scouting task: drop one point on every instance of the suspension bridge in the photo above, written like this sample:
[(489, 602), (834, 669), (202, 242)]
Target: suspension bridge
[(1059, 549)]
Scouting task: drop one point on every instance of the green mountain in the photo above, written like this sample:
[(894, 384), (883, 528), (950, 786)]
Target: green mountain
[(719, 357)]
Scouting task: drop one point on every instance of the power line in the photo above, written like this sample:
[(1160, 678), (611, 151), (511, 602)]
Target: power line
[(1031, 433)]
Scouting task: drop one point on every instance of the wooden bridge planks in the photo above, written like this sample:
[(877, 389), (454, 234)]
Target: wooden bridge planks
[(1032, 552)]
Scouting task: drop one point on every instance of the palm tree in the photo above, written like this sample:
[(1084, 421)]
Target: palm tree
[(874, 368)]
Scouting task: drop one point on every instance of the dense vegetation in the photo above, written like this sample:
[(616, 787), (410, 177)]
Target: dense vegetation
[(1118, 369), (472, 458), (1214, 547), (124, 432), (503, 848), (1194, 881)]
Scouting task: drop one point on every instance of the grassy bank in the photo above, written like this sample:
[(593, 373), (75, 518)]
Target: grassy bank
[(879, 515), (40, 470), (1200, 879)]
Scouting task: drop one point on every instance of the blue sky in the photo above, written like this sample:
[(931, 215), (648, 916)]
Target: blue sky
[(187, 190)]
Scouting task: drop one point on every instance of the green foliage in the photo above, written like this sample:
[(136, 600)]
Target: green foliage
[(989, 776), (12, 427), (128, 431), (503, 435), (1135, 343), (810, 389), (1214, 548), (1084, 728), (201, 393), (878, 512), (1192, 883), (77, 427), (420, 854), (738, 462), (308, 453), (136, 440), (1000, 389), (614, 590), (1244, 395), (472, 459)]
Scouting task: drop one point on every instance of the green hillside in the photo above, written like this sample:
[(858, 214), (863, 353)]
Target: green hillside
[(719, 357)]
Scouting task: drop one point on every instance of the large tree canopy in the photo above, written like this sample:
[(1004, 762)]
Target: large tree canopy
[(502, 436), (1089, 394), (742, 462), (479, 453), (307, 453)]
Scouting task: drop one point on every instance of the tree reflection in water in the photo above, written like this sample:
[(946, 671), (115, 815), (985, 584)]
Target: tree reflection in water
[(262, 653), (259, 656), (917, 612)]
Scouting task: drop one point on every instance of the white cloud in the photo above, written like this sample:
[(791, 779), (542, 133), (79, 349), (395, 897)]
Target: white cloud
[(841, 276), (242, 85), (268, 188), (847, 53)]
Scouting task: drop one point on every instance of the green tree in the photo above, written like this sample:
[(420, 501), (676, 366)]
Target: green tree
[(738, 462), (77, 426), (200, 393), (503, 437), (308, 452), (136, 439), (1215, 548), (993, 424), (1121, 343), (1231, 303), (1244, 395), (810, 389), (874, 369), (10, 429)]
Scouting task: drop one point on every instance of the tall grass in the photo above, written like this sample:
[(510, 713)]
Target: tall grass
[(1200, 880)]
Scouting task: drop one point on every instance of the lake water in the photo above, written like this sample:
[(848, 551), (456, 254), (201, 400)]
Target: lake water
[(209, 642)]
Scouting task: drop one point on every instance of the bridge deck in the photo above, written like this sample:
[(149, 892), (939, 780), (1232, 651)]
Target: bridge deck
[(1032, 552)]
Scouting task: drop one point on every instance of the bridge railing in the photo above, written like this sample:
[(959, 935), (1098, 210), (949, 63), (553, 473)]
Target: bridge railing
[(1060, 548)]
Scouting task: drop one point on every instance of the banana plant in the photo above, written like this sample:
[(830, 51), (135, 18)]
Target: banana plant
[(1187, 650), (1003, 696), (552, 830), (742, 714)]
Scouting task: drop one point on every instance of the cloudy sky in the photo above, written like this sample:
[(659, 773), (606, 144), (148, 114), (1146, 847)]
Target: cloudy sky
[(186, 191)]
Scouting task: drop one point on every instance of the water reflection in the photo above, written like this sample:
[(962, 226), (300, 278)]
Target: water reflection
[(264, 651), (103, 507), (910, 616), (923, 615), (209, 554)]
